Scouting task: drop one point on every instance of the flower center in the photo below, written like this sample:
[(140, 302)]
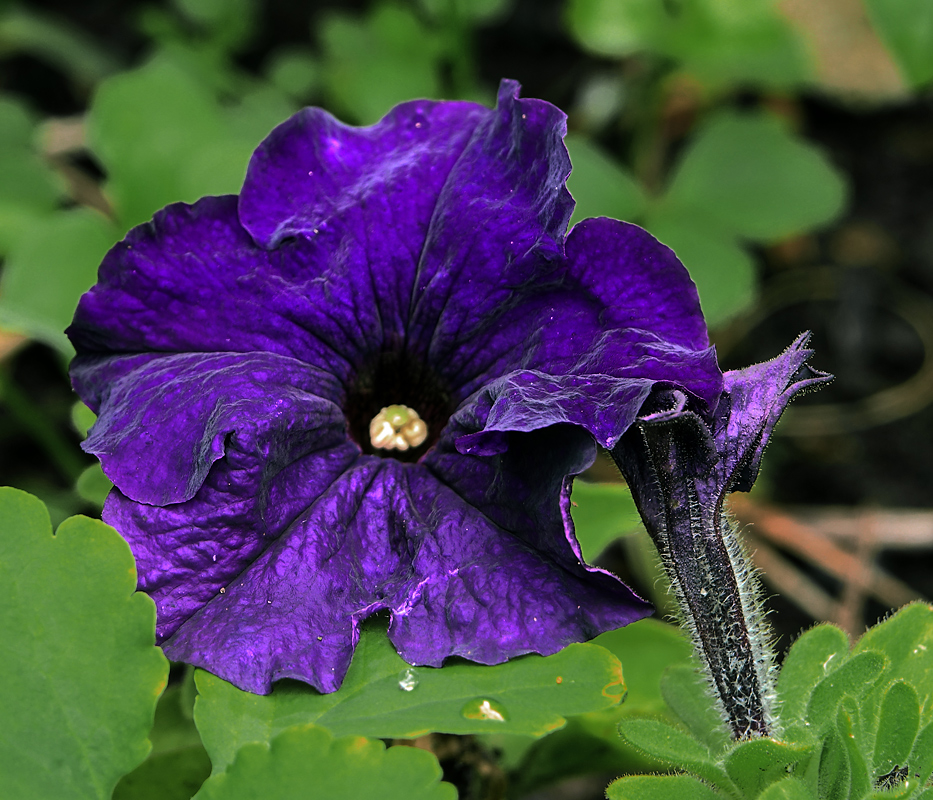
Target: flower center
[(397, 428), (397, 431)]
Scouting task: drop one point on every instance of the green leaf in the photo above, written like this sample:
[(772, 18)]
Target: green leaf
[(854, 678), (745, 174), (848, 726), (171, 775), (52, 265), (372, 64), (722, 44), (906, 639), (164, 138), (599, 185), (466, 10), (601, 513), (294, 71), (814, 655), (790, 788), (92, 485), (673, 747), (79, 675), (757, 763), (573, 750), (725, 45), (688, 695), (178, 763), (29, 189), (617, 28), (921, 757), (305, 761), (721, 268), (835, 776), (82, 418), (898, 724), (383, 696), (906, 26), (64, 46), (646, 648), (660, 787)]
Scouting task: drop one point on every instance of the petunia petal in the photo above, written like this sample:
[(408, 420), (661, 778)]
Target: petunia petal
[(165, 419), (256, 593)]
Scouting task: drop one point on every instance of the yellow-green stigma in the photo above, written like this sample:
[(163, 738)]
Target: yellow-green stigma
[(397, 428)]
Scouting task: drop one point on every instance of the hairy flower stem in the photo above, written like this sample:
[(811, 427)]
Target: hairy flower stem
[(712, 579)]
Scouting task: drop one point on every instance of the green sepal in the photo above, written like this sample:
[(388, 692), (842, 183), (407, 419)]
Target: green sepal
[(757, 763), (688, 696), (660, 787), (306, 761), (673, 747), (817, 653), (854, 678), (898, 724)]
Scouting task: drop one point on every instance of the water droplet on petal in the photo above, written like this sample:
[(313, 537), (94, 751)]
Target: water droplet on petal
[(481, 708), (408, 680)]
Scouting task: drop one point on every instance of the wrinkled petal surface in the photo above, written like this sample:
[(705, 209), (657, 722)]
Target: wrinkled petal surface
[(236, 349)]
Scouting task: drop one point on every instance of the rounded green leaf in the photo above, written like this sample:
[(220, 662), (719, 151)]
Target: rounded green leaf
[(789, 788), (92, 485), (852, 679), (170, 775), (163, 137), (660, 787), (906, 26), (646, 648), (898, 724), (305, 761), (617, 27), (373, 63), (673, 747), (51, 266), (690, 698), (601, 513), (721, 268), (835, 775), (920, 762), (79, 674), (848, 725), (757, 763), (747, 175), (814, 655), (599, 185), (385, 697), (906, 639)]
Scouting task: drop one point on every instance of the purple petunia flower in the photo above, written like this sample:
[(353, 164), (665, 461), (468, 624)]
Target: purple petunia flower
[(365, 384)]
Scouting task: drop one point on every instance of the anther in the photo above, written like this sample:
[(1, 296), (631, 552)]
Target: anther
[(397, 428)]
